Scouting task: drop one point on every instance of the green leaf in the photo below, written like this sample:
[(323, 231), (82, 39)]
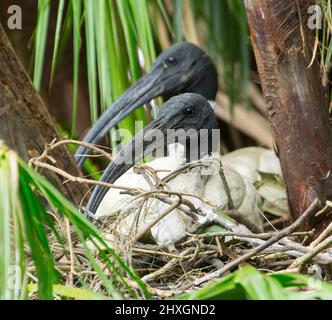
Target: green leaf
[(259, 287), (77, 15), (57, 39), (91, 58), (72, 292), (250, 284), (40, 41)]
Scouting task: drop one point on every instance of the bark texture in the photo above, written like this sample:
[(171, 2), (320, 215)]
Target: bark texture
[(25, 123), (297, 103)]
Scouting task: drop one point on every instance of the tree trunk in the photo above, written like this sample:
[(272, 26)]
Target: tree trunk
[(297, 103), (25, 123)]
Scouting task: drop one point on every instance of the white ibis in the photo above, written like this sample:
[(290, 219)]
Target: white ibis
[(187, 111), (135, 216), (180, 69), (187, 118)]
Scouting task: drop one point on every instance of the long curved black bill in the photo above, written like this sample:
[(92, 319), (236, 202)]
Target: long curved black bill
[(141, 93), (151, 139)]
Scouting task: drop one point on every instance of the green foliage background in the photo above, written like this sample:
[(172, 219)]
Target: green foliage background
[(115, 36)]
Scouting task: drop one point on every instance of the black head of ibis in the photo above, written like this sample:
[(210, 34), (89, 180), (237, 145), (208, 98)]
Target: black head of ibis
[(190, 113), (180, 69)]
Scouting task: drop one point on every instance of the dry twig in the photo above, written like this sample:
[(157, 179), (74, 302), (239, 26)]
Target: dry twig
[(260, 248)]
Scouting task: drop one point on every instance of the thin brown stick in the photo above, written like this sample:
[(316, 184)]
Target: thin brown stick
[(70, 278), (309, 212), (163, 215), (135, 191), (161, 293), (299, 263), (54, 145), (77, 179), (322, 236), (226, 186), (168, 266)]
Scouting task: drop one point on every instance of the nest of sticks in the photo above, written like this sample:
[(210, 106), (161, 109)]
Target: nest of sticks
[(200, 257)]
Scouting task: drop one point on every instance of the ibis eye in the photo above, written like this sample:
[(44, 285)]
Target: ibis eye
[(190, 111), (171, 60)]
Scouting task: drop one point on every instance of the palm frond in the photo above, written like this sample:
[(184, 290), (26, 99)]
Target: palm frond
[(249, 284), (27, 227), (228, 40), (44, 7), (115, 34)]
